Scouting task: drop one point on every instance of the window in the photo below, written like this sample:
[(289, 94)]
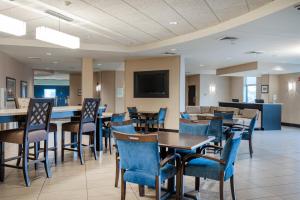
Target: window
[(49, 93), (250, 89)]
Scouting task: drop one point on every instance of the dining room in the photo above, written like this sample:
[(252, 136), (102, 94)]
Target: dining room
[(137, 99)]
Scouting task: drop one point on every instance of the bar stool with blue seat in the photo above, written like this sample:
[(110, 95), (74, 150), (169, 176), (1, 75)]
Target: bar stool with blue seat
[(140, 163), (116, 117), (185, 115), (159, 120), (199, 165), (124, 127)]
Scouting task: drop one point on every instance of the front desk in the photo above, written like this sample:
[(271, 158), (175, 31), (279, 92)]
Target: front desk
[(270, 113)]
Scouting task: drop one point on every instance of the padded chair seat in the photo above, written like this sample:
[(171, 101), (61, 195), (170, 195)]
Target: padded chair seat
[(143, 178), (201, 167), (74, 127), (183, 152), (16, 136)]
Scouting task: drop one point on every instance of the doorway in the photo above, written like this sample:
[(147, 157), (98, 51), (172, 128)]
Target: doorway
[(191, 95)]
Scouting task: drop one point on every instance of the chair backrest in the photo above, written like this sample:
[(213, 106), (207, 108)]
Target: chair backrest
[(227, 115), (123, 127), (252, 124), (162, 114), (132, 112), (215, 126), (89, 111), (193, 127), (38, 115), (22, 102), (231, 148), (118, 117), (185, 115), (139, 152)]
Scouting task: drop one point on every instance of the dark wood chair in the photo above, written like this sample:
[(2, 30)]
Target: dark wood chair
[(22, 103), (36, 130), (86, 126)]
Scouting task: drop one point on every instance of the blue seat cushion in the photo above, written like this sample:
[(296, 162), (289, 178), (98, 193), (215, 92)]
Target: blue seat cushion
[(205, 168), (184, 152), (143, 178)]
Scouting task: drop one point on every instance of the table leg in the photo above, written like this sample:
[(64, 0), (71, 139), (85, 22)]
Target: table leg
[(99, 142), (171, 181), (2, 168)]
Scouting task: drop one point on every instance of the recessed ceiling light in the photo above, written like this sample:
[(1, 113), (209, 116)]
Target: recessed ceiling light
[(49, 54), (55, 62), (34, 58), (254, 52), (201, 65), (173, 49), (99, 64), (173, 23), (278, 68)]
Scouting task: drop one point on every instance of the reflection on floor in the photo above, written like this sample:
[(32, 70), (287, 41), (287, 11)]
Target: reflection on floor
[(272, 174)]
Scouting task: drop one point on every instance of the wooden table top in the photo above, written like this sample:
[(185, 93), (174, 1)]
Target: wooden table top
[(182, 141), (14, 111)]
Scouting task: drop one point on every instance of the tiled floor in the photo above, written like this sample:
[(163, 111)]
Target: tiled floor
[(272, 174)]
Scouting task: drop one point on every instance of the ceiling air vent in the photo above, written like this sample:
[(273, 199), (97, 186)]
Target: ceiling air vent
[(59, 16), (254, 52), (169, 53), (34, 58), (228, 38)]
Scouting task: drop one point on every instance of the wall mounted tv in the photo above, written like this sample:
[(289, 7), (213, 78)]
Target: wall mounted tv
[(151, 84)]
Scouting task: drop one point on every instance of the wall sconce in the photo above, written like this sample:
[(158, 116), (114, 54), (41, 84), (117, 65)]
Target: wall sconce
[(292, 86), (212, 88), (98, 87)]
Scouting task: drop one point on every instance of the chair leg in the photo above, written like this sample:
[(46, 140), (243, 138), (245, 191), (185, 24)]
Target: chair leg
[(19, 154), (2, 157), (250, 147), (36, 153), (197, 184), (232, 188), (109, 138), (178, 184), (117, 171), (157, 188), (46, 161), (105, 143), (123, 185), (94, 145), (55, 147), (221, 185), (62, 146), (142, 190), (25, 164), (80, 149)]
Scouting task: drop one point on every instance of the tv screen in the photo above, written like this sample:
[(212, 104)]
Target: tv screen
[(151, 84)]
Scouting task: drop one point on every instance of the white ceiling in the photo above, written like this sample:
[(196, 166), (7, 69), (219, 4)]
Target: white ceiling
[(114, 30)]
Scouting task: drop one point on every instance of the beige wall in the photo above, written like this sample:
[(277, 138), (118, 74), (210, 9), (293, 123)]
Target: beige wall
[(222, 92), (120, 101), (236, 88), (10, 67), (108, 89), (153, 104), (193, 80), (289, 99), (75, 85)]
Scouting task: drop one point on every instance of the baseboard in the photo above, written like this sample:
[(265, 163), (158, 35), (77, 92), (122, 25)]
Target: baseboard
[(290, 124)]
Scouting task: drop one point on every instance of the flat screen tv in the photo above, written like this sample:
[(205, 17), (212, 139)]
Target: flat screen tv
[(151, 84)]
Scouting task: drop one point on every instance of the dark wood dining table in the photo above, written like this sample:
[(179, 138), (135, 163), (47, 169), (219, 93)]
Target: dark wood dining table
[(147, 115), (173, 141)]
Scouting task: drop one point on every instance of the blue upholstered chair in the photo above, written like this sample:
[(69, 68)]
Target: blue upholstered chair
[(159, 120), (133, 115), (247, 130), (199, 165), (116, 117), (192, 127), (124, 127), (140, 163), (185, 115)]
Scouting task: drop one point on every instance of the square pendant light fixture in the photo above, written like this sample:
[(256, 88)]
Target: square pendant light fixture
[(12, 26), (56, 37)]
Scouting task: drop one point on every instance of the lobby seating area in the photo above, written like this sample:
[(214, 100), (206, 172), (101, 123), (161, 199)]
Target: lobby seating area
[(144, 100)]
